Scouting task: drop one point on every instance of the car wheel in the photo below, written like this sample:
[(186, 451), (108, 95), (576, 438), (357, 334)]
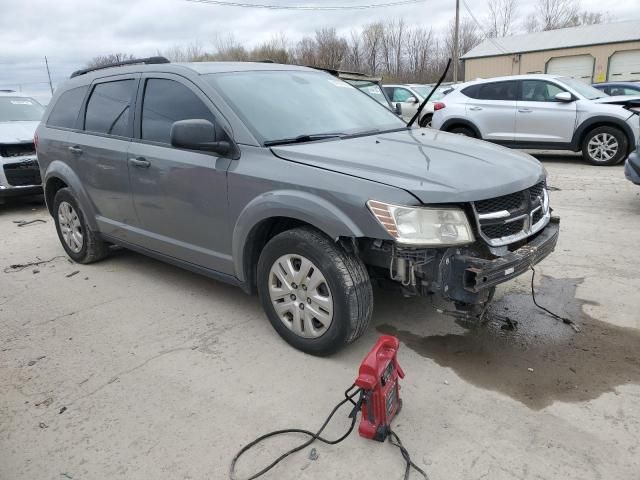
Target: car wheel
[(81, 243), (467, 132), (425, 122), (317, 296), (604, 146)]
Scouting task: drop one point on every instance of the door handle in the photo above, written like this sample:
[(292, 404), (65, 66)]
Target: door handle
[(475, 108), (525, 110), (75, 150), (140, 162)]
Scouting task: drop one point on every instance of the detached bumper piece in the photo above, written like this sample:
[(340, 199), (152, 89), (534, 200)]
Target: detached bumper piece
[(478, 274), (632, 167)]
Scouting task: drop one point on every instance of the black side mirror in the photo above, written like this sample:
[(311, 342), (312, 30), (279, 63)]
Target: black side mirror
[(198, 134)]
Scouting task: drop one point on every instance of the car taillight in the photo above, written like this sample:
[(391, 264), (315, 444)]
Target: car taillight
[(438, 106)]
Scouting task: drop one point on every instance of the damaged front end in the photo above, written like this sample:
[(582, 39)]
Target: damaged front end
[(512, 233)]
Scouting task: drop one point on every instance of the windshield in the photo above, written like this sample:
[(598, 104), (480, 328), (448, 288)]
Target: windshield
[(17, 109), (278, 105), (584, 90), (370, 88)]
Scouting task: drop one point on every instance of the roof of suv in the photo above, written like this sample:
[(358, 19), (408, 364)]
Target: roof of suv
[(527, 76)]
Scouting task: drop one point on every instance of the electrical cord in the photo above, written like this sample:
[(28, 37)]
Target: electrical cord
[(407, 458), (564, 320), (314, 436)]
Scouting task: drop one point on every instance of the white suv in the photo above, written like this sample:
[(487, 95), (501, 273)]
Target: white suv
[(19, 171), (543, 112)]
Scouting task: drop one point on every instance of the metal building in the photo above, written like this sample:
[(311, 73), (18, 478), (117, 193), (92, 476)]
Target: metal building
[(592, 53)]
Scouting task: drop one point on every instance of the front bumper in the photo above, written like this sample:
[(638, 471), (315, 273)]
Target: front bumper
[(469, 275), (632, 167), (19, 176)]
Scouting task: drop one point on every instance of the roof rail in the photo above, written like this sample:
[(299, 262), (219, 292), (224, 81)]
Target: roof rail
[(135, 61)]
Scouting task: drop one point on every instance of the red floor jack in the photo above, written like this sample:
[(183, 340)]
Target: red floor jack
[(375, 394)]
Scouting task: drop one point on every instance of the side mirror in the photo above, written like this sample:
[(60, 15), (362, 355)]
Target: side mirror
[(411, 100), (398, 109), (564, 97), (197, 134)]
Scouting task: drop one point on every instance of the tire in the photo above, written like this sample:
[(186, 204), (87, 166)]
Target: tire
[(346, 292), (425, 122), (604, 146), (467, 132), (85, 245)]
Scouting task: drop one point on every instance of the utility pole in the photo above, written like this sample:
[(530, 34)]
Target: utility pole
[(455, 42), (46, 62)]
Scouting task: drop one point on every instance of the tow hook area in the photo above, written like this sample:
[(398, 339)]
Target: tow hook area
[(469, 275)]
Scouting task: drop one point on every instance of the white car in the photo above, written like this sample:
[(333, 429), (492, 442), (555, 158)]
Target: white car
[(19, 171), (411, 96), (543, 112)]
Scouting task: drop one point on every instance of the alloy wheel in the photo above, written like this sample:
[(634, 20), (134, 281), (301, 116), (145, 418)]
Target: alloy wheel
[(602, 147), (70, 227), (301, 296)]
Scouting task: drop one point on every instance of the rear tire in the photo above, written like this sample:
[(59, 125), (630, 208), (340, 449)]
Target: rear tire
[(425, 122), (290, 267), (465, 131), (605, 146), (82, 244)]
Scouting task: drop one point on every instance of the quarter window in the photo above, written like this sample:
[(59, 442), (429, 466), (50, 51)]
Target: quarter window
[(165, 102), (539, 91), (65, 111), (109, 108)]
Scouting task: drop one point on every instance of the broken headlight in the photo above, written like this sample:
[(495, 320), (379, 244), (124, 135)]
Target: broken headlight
[(423, 226)]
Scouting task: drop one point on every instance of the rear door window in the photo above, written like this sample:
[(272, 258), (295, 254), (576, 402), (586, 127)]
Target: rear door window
[(167, 101), (109, 108), (65, 112), (498, 91)]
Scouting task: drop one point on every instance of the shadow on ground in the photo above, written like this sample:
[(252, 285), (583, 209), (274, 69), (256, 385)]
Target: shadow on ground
[(567, 366)]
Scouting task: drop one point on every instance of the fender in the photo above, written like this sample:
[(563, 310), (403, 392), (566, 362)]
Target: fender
[(62, 171), (590, 122), (303, 206), (463, 122)]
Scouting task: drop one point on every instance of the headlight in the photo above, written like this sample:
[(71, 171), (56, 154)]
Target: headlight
[(423, 226)]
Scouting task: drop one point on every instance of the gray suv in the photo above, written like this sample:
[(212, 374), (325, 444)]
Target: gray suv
[(287, 181)]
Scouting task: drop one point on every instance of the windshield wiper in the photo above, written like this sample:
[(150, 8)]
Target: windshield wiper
[(303, 138)]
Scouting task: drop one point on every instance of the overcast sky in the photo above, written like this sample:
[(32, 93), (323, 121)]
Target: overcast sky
[(71, 32)]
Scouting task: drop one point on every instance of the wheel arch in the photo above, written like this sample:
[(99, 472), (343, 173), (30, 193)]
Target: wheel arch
[(601, 121), (460, 122), (59, 175), (274, 212)]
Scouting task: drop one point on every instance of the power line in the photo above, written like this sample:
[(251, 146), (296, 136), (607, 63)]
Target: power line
[(265, 6), (491, 39)]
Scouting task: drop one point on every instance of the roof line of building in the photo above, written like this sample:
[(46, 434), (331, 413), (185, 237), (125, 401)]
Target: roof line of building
[(511, 54)]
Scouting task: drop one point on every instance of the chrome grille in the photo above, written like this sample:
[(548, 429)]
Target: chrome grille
[(509, 218)]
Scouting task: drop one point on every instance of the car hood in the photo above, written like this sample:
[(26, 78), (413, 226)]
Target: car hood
[(17, 132), (617, 99), (435, 166)]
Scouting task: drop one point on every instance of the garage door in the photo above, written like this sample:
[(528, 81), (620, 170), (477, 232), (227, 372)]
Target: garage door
[(625, 65), (576, 66)]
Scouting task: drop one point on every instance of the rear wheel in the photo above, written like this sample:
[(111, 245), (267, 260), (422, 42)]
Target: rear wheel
[(604, 146), (317, 296), (467, 132), (81, 243), (425, 122)]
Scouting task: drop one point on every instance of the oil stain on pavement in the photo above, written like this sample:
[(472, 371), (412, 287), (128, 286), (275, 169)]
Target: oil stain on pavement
[(542, 360)]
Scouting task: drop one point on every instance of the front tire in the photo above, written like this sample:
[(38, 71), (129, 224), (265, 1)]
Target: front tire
[(317, 296), (425, 122), (604, 146), (81, 243)]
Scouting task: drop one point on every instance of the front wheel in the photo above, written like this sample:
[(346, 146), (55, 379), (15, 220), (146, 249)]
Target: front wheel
[(317, 296), (604, 146)]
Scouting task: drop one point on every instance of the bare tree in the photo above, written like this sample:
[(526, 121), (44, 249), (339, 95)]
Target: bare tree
[(501, 17), (469, 36), (554, 14), (110, 58), (305, 51), (420, 54), (331, 49), (371, 42), (354, 54), (191, 52)]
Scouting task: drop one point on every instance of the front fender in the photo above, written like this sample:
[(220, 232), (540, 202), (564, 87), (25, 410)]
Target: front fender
[(299, 205), (61, 171)]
